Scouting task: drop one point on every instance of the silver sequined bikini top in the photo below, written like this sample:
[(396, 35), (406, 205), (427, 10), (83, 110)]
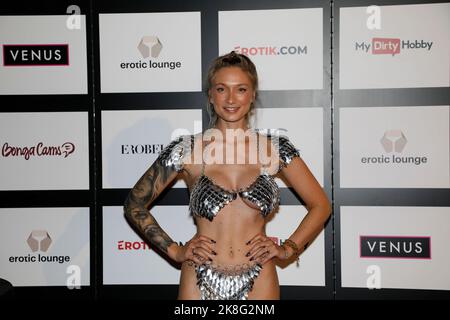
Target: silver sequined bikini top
[(207, 198)]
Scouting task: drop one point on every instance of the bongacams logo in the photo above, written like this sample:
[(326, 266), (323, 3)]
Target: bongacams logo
[(272, 50), (150, 46), (39, 150), (39, 241), (393, 143), (391, 46)]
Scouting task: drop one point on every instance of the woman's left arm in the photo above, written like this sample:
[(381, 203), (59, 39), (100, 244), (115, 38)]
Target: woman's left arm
[(316, 201)]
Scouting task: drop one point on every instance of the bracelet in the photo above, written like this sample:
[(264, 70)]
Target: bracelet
[(293, 245)]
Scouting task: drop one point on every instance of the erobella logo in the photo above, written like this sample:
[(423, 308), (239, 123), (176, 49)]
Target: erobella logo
[(39, 242), (132, 149), (393, 143), (38, 150), (395, 247), (150, 46), (391, 46), (272, 50), (32, 55)]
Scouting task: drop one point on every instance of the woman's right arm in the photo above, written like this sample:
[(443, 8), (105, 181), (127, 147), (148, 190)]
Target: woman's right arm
[(165, 168), (146, 190)]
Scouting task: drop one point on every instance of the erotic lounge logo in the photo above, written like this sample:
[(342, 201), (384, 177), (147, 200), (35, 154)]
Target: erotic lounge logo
[(150, 46), (406, 247), (393, 143), (32, 55), (38, 150), (39, 240), (391, 46)]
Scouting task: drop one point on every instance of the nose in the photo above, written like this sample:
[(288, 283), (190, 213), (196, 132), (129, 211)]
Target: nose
[(230, 97)]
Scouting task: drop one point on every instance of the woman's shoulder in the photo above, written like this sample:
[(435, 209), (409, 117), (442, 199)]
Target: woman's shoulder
[(177, 151), (281, 144)]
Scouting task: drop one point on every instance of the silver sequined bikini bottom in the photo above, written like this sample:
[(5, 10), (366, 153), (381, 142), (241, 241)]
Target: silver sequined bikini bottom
[(222, 284)]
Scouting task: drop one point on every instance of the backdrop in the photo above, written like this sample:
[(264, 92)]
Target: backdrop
[(91, 92)]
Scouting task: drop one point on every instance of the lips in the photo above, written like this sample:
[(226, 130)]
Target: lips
[(231, 109)]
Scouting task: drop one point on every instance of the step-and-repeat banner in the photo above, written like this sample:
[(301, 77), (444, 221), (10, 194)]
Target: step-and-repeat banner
[(93, 91)]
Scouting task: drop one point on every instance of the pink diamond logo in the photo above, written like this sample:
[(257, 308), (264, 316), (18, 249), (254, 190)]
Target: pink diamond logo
[(39, 240), (393, 140), (150, 46)]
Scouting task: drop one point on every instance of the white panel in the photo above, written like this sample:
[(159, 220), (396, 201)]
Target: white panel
[(124, 68), (304, 127), (126, 260), (420, 160), (68, 229), (311, 269), (285, 45), (417, 50), (44, 79), (44, 151), (131, 141), (407, 273)]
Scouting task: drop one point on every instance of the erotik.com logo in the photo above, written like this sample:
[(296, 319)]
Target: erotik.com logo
[(391, 46), (35, 55), (272, 50), (405, 247), (38, 150), (39, 242), (393, 143), (150, 47), (124, 245)]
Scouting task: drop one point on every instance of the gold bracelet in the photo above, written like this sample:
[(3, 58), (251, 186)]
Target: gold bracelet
[(293, 245)]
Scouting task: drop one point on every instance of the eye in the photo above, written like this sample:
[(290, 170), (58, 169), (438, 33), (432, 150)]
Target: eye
[(219, 89), (242, 90)]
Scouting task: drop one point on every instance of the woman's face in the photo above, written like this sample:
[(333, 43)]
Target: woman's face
[(231, 93)]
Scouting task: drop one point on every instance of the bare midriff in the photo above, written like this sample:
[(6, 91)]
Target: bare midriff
[(232, 228)]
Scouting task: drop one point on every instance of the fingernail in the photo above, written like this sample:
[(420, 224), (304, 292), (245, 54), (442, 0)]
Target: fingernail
[(248, 253)]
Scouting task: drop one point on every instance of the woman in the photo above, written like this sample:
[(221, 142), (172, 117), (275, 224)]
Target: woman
[(230, 256)]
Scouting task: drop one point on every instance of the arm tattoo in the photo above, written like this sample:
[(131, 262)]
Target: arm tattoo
[(143, 193)]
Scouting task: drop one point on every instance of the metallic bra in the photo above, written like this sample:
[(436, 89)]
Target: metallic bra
[(207, 198)]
